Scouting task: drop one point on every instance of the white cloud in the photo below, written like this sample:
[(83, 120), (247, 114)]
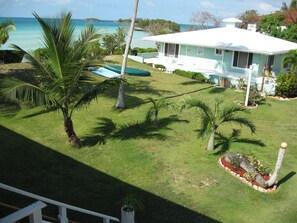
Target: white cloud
[(266, 7), (207, 4)]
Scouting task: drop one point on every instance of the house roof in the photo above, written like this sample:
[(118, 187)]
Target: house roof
[(228, 38)]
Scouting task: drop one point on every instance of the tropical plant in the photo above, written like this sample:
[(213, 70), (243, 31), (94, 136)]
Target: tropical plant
[(156, 107), (120, 101), (290, 10), (213, 118), (290, 59), (286, 85), (61, 80), (114, 42), (5, 27), (132, 202)]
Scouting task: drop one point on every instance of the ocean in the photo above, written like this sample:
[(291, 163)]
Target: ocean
[(28, 32)]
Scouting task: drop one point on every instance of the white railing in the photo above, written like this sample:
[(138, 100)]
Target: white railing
[(33, 211), (62, 206)]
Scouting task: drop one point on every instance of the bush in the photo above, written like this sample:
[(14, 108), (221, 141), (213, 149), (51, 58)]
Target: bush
[(254, 96), (193, 75), (11, 56), (160, 66), (286, 85), (145, 50)]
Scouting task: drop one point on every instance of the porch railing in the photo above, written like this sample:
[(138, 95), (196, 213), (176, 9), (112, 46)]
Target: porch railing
[(39, 205)]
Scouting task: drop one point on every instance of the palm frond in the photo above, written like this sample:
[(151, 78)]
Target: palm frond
[(241, 121), (205, 127), (196, 103), (230, 111), (149, 114), (16, 90), (94, 92)]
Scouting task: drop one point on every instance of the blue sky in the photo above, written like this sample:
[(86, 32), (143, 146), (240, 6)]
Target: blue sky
[(176, 10)]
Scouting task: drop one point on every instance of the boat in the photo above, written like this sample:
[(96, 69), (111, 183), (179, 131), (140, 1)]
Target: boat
[(129, 70)]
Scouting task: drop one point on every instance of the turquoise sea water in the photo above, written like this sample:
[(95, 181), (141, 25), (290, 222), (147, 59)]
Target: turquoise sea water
[(28, 32)]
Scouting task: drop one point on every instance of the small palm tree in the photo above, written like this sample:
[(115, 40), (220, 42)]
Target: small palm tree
[(62, 81), (155, 108), (290, 59), (211, 119), (5, 27)]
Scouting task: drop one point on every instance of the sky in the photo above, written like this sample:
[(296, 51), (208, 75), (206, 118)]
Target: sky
[(179, 11)]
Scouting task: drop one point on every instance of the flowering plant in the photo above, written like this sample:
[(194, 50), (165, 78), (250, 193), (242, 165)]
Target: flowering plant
[(262, 168)]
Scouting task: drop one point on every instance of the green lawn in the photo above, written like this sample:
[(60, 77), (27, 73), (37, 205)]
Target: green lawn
[(168, 167)]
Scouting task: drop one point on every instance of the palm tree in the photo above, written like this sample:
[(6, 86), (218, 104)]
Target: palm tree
[(61, 78), (5, 27), (211, 119), (154, 110), (120, 101), (290, 59)]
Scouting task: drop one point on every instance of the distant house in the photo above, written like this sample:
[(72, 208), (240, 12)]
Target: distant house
[(227, 53)]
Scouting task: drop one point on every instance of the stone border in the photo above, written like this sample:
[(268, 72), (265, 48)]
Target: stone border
[(243, 180)]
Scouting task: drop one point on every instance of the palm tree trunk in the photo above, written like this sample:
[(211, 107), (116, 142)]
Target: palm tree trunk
[(72, 137), (120, 101), (156, 118), (278, 165), (210, 145)]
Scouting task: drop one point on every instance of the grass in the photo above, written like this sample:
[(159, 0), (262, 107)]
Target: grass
[(168, 167)]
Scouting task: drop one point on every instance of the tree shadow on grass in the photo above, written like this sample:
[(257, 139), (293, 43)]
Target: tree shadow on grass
[(9, 109), (107, 129), (286, 178), (224, 142), (192, 82), (187, 93), (217, 90), (33, 167)]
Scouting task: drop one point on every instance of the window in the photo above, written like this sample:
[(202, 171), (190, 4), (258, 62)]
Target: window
[(218, 52), (200, 51), (270, 62), (242, 59), (171, 50)]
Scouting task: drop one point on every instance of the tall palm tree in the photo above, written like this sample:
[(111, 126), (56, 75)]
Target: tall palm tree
[(5, 27), (61, 78), (290, 59), (211, 119), (120, 101)]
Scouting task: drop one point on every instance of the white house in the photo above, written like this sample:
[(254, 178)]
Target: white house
[(222, 53)]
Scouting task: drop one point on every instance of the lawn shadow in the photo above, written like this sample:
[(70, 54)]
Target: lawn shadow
[(9, 109), (286, 178), (193, 82), (217, 90), (187, 93), (107, 129), (224, 142), (38, 169)]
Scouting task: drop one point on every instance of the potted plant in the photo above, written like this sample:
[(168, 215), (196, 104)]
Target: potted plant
[(130, 203)]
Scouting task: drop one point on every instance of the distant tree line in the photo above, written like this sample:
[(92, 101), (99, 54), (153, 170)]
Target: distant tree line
[(155, 26)]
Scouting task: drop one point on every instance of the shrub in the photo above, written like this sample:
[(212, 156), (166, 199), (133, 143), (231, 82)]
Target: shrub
[(254, 96), (160, 66), (145, 50), (286, 85), (193, 75), (11, 56)]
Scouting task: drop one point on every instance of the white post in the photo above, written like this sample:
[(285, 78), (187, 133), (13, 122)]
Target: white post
[(36, 217), (63, 215), (248, 86), (106, 220)]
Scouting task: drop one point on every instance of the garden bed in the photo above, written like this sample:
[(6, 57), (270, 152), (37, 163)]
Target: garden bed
[(239, 174)]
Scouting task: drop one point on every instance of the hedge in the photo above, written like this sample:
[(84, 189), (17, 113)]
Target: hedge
[(11, 56), (286, 85), (193, 75)]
